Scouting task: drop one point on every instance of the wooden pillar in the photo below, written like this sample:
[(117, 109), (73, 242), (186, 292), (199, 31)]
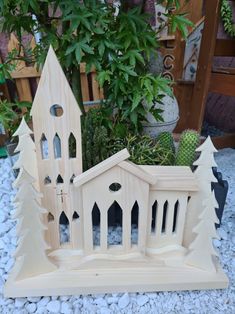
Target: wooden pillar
[(203, 75)]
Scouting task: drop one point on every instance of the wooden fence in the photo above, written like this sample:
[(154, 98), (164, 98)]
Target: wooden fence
[(26, 77)]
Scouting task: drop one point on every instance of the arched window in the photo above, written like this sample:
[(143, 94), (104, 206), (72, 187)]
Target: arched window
[(164, 218), (72, 178), (59, 180), (175, 217), (115, 224), (95, 214), (64, 229), (44, 147), (154, 216), (50, 217), (47, 180), (72, 146), (75, 215), (57, 146), (135, 223)]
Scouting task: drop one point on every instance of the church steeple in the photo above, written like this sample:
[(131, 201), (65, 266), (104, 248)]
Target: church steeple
[(57, 130)]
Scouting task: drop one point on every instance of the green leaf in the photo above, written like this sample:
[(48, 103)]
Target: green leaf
[(136, 100), (87, 48), (71, 49), (101, 48), (103, 77), (78, 53), (134, 118)]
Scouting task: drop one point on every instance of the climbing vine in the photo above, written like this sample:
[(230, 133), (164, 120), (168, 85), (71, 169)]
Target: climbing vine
[(227, 18)]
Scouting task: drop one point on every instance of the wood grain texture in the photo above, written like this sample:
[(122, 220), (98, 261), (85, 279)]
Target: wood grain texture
[(53, 89)]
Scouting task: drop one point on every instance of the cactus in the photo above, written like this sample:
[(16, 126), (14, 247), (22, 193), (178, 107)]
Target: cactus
[(189, 141), (165, 139)]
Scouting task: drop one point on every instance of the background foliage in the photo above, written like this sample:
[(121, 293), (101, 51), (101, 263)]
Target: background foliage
[(118, 47)]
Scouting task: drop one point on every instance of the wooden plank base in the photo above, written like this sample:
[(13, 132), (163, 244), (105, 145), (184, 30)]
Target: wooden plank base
[(116, 280)]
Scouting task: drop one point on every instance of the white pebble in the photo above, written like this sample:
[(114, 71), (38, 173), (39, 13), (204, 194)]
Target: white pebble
[(2, 216), (100, 302), (217, 243), (111, 300), (64, 298), (105, 310), (20, 302), (41, 310), (142, 299), (223, 234), (43, 302), (123, 301), (53, 306), (65, 308), (31, 307)]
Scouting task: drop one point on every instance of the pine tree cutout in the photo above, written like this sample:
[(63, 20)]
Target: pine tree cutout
[(31, 258), (204, 175), (202, 252), (26, 147), (204, 164)]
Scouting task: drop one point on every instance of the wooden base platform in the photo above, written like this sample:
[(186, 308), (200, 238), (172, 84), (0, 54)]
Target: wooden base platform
[(113, 280)]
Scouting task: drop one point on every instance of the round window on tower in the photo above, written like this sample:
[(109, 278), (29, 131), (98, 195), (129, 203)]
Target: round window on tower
[(56, 110)]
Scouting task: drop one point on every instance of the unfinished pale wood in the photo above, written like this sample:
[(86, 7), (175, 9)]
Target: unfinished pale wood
[(101, 167), (172, 178), (53, 89), (31, 246), (205, 176), (169, 253), (133, 189), (202, 251), (114, 279), (27, 151)]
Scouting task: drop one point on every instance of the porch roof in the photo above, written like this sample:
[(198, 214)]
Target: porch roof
[(172, 178)]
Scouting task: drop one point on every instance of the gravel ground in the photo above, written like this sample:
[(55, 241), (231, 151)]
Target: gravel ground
[(203, 302)]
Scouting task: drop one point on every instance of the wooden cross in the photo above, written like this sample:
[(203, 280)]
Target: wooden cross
[(61, 195)]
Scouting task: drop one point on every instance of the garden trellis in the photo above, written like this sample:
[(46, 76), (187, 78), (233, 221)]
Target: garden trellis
[(174, 206)]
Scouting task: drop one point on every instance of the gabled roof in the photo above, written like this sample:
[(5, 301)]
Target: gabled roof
[(53, 87), (117, 159)]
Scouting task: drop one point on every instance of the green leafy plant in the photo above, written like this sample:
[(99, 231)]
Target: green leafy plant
[(143, 150), (9, 114), (118, 47), (227, 18), (8, 66), (99, 142)]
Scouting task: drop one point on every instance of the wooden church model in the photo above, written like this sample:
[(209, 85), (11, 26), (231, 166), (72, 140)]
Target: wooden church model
[(174, 211)]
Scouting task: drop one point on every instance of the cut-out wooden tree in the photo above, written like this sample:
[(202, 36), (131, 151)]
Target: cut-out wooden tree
[(26, 147), (31, 258), (202, 251), (205, 177)]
